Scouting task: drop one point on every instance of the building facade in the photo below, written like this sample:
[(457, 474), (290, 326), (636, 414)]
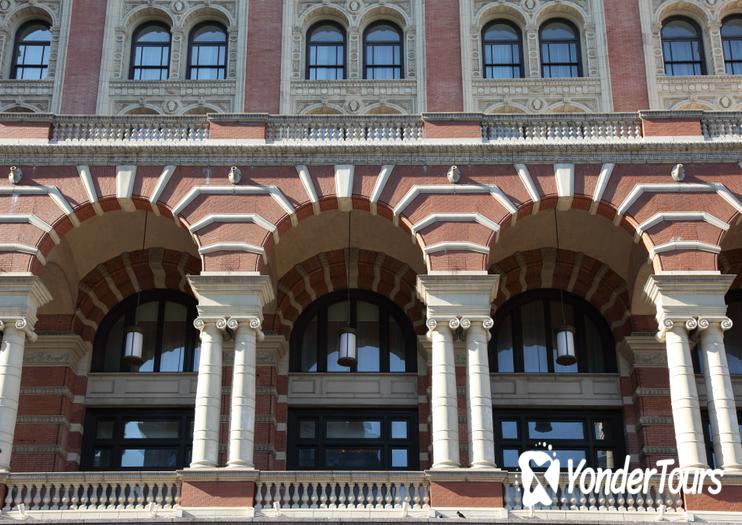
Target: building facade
[(201, 196)]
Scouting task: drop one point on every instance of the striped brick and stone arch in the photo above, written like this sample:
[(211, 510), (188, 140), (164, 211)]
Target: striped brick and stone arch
[(113, 281), (328, 271), (573, 272)]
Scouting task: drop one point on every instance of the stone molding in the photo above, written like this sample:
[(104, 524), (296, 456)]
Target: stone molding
[(457, 298), (57, 350), (237, 296), (21, 295)]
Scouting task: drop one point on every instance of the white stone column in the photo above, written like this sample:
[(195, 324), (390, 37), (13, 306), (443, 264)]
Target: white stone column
[(479, 393), (443, 407), (208, 394), (686, 412), (11, 364), (242, 411), (720, 395)]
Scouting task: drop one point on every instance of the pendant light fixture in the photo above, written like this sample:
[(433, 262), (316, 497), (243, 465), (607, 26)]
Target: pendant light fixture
[(347, 343), (134, 342), (565, 334)]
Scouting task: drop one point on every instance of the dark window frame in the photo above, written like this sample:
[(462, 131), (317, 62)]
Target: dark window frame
[(118, 444), (545, 295), (128, 307), (486, 42), (400, 43), (616, 441), (730, 62), (17, 43), (321, 443), (577, 41), (134, 46), (701, 48), (225, 44), (320, 307), (307, 51)]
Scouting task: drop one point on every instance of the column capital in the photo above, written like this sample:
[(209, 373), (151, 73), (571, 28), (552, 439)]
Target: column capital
[(456, 322), (19, 323), (252, 323), (200, 323), (227, 295), (460, 296), (724, 323), (21, 295)]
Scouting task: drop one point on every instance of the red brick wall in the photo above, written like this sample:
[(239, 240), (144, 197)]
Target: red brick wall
[(625, 55), (217, 493), (84, 50), (263, 89), (463, 494), (443, 55)]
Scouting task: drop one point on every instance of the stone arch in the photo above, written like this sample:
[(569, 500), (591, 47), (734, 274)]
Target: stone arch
[(490, 12), (319, 13), (211, 13), (562, 9), (692, 10), (389, 12), (323, 108), (20, 108), (25, 12), (568, 107), (146, 13), (384, 108), (200, 109), (141, 109)]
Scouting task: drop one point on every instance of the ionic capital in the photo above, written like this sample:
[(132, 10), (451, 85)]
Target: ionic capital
[(668, 323), (19, 323), (251, 323), (724, 323), (202, 323)]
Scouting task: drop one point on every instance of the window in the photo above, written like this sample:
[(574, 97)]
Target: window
[(732, 337), (682, 47), (326, 52), (560, 50), (383, 52), (150, 52), (31, 52), (352, 439), (137, 439), (502, 50), (524, 337), (594, 437), (710, 454), (731, 41), (385, 338), (207, 52), (171, 343)]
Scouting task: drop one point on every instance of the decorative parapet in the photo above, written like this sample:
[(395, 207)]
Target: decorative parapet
[(148, 128), (579, 128), (345, 129)]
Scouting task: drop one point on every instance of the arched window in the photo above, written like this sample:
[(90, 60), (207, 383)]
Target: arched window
[(731, 40), (382, 57), (386, 340), (560, 50), (682, 47), (523, 338), (207, 52), (150, 52), (31, 52), (326, 52), (171, 342), (502, 50)]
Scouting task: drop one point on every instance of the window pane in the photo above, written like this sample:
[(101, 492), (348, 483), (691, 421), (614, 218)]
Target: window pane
[(555, 310), (382, 33), (600, 429), (307, 429), (605, 459), (557, 31), (501, 32), (210, 33), (733, 338), (146, 319), (353, 458), (534, 338), (114, 347), (556, 430), (679, 29), (565, 455), (307, 457), (337, 318), (104, 429), (399, 429), (510, 457), (367, 326), (174, 332), (399, 458), (326, 33), (309, 347), (102, 458), (509, 429), (504, 346), (732, 28), (397, 347), (354, 429), (149, 457), (152, 429)]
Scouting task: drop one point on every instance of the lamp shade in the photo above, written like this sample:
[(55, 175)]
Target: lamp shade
[(348, 349), (565, 344), (133, 345)]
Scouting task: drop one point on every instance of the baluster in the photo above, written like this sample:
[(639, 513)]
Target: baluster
[(9, 495), (333, 496)]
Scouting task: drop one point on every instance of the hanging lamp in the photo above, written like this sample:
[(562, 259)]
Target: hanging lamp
[(347, 342), (134, 341), (565, 334)]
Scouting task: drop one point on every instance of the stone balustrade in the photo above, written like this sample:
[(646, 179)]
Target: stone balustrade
[(344, 129), (554, 128), (79, 129)]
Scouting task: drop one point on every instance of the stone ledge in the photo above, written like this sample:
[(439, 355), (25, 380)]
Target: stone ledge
[(218, 474), (467, 474)]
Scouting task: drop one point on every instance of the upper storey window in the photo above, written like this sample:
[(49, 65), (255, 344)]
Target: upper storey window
[(731, 39), (560, 50), (31, 54), (732, 337), (207, 52), (385, 338), (150, 52), (682, 47), (166, 321), (502, 50), (326, 52), (383, 52), (524, 337)]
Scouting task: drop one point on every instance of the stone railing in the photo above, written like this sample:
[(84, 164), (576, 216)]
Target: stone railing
[(343, 129), (71, 129), (609, 127), (402, 492), (565, 501), (722, 126), (84, 491)]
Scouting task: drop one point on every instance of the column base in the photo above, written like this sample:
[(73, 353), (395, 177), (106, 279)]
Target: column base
[(445, 465), (201, 465), (240, 465)]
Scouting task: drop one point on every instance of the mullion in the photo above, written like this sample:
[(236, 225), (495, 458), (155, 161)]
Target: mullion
[(159, 335), (322, 341), (549, 335), (581, 343), (384, 343), (352, 306), (517, 333)]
